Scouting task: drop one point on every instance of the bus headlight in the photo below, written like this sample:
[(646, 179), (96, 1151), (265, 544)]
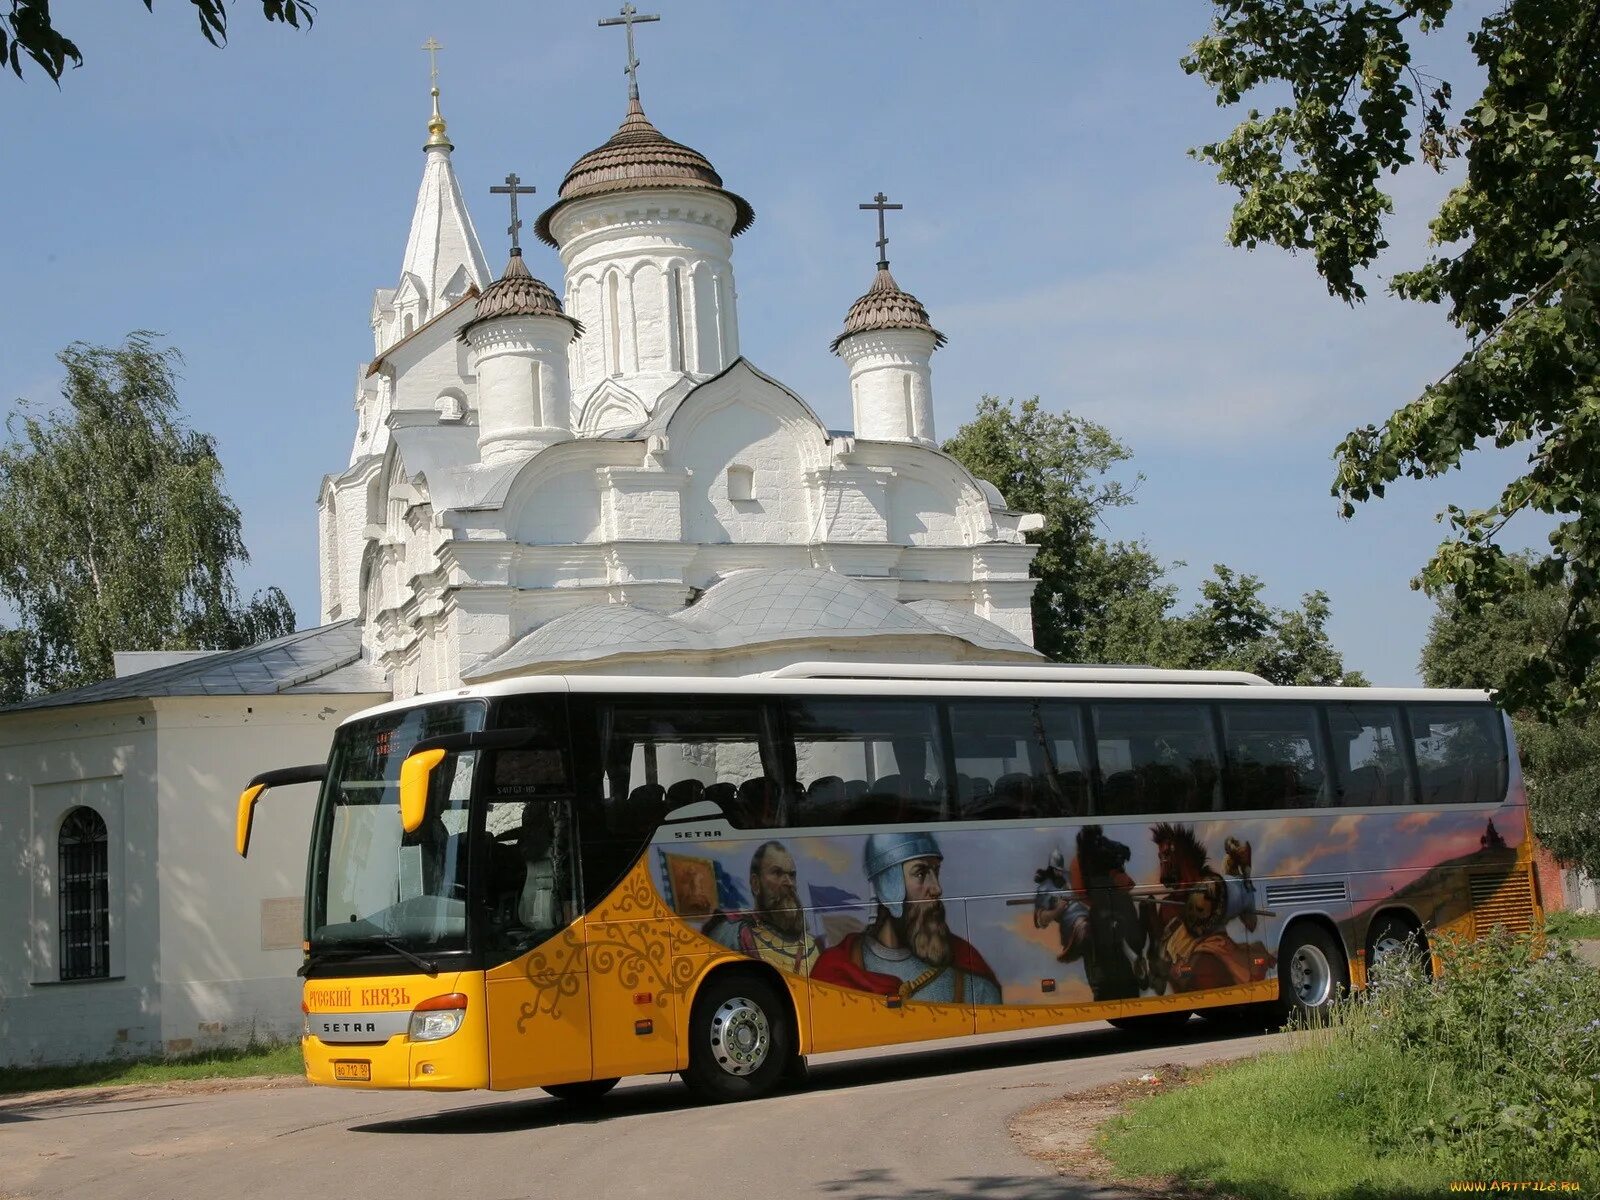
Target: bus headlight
[(438, 1017)]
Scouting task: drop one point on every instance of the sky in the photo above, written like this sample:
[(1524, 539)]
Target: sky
[(245, 202)]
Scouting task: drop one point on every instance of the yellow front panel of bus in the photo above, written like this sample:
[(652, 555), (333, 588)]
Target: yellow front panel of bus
[(384, 1003)]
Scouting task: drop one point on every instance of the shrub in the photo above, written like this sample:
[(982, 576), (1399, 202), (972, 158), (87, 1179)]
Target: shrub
[(1510, 1031)]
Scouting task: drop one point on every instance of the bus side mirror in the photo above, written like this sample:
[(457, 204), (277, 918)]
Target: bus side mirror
[(314, 773), (414, 774), (247, 813), (427, 754)]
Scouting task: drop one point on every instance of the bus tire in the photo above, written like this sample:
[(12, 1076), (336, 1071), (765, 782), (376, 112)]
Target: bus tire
[(1160, 1025), (1393, 933), (586, 1091), (741, 1039), (1313, 973)]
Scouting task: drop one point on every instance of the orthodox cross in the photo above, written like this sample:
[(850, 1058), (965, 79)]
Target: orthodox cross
[(629, 16), (881, 203), (433, 47), (513, 188)]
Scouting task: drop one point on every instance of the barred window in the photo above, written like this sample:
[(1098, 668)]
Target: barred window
[(85, 897)]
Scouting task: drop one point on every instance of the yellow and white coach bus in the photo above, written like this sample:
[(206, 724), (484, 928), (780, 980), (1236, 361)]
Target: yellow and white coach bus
[(559, 881)]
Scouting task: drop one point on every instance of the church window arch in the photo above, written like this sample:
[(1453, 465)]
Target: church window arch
[(85, 888), (741, 482), (613, 324), (910, 407), (409, 326), (675, 332), (451, 405)]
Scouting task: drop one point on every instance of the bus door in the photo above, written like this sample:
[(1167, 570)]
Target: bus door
[(537, 977)]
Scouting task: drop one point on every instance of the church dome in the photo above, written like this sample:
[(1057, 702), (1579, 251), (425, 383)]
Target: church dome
[(639, 157), (518, 294), (886, 306)]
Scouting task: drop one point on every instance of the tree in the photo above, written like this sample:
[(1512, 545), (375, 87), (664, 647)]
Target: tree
[(1233, 628), (1561, 757), (115, 532), (1093, 597), (1104, 601), (1517, 264), (28, 29)]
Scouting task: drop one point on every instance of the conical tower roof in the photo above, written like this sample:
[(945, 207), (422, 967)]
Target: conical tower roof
[(518, 294), (639, 157), (886, 306)]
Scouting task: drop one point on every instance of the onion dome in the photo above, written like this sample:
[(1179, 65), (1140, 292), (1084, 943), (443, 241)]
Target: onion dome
[(638, 157), (518, 294), (886, 306)]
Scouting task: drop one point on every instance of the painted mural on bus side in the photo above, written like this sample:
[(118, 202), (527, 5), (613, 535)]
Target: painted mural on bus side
[(1019, 916)]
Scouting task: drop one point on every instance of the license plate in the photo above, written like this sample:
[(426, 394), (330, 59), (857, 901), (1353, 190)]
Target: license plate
[(356, 1069)]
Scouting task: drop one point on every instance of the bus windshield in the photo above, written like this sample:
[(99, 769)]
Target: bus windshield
[(371, 883)]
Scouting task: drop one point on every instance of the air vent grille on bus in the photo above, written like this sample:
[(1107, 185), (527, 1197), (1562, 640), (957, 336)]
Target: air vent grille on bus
[(1502, 898), (1280, 895)]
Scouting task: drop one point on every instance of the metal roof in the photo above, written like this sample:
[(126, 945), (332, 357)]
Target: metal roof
[(322, 661)]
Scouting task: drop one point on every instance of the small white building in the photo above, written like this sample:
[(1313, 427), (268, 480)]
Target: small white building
[(599, 481)]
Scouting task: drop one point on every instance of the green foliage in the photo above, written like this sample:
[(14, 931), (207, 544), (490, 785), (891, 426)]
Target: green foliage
[(1092, 595), (1234, 629), (28, 29), (1517, 1034), (1561, 755), (1104, 601), (1520, 275), (115, 533), (1565, 924), (1489, 1071)]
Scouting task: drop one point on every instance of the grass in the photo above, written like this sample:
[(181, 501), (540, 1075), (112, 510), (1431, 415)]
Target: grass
[(1490, 1071), (1573, 925), (255, 1059), (1294, 1124)]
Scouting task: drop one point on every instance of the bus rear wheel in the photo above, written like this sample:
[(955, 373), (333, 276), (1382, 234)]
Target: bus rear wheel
[(1395, 937), (1312, 973), (741, 1040), (587, 1091)]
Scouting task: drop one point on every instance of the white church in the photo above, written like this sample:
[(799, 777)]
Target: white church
[(595, 480)]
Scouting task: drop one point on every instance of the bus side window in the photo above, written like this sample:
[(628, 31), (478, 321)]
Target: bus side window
[(1371, 765), (661, 757), (1002, 768), (1461, 753), (1156, 758), (1273, 756), (868, 761)]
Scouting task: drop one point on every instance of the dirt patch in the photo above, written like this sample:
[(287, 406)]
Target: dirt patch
[(93, 1093), (1064, 1132)]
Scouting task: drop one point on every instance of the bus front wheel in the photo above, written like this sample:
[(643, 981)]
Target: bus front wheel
[(741, 1039), (585, 1092), (1312, 973)]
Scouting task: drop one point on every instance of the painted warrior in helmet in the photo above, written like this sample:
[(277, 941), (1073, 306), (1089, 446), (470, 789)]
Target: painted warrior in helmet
[(909, 950)]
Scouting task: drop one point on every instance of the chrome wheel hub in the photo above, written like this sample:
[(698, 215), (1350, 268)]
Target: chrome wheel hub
[(1387, 947), (740, 1036), (1310, 976)]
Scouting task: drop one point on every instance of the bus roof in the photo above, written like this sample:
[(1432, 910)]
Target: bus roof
[(913, 680)]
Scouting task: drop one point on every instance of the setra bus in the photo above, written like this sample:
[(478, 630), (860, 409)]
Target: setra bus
[(559, 881)]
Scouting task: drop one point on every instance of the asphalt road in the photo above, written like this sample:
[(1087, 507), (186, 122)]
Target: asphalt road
[(912, 1124)]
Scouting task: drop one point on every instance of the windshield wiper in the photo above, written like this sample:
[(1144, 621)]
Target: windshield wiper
[(430, 969), (324, 954)]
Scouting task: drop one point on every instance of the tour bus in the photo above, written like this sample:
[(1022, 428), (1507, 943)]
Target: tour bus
[(559, 881)]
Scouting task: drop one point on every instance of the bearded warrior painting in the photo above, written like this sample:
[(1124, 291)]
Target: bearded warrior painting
[(909, 950), (774, 930)]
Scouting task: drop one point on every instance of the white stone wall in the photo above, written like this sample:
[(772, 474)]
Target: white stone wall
[(891, 384), (187, 964), (650, 276)]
